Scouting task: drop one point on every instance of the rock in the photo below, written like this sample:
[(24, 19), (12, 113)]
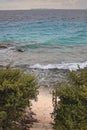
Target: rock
[(4, 46), (20, 50)]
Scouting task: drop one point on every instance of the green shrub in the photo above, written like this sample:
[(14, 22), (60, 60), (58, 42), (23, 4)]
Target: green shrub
[(16, 91), (70, 113)]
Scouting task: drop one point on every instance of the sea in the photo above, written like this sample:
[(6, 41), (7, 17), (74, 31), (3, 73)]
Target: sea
[(45, 42)]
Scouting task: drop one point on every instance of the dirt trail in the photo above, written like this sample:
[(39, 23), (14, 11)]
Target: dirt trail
[(42, 108)]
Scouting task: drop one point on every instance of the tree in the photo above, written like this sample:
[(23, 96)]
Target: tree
[(16, 91), (70, 113)]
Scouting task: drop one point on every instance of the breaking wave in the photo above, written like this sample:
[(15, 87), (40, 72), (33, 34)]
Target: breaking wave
[(69, 66)]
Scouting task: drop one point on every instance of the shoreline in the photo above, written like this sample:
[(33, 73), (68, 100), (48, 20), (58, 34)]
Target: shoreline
[(47, 73), (45, 77)]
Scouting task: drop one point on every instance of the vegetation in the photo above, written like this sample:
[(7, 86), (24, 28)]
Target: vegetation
[(70, 113), (16, 91)]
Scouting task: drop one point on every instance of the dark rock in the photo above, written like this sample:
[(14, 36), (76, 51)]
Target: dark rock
[(4, 46), (20, 50)]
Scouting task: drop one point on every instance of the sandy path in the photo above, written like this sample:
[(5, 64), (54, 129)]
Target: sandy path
[(42, 108)]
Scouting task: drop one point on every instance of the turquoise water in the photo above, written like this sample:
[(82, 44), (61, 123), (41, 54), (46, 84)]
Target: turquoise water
[(46, 36), (43, 28), (44, 33)]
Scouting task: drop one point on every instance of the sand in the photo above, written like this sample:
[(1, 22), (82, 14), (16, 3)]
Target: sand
[(43, 109)]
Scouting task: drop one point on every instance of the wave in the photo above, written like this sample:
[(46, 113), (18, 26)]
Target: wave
[(69, 66)]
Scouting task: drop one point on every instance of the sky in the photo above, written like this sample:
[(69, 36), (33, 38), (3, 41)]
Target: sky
[(48, 4)]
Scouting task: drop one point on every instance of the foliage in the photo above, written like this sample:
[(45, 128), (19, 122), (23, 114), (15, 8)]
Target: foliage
[(16, 91), (70, 113)]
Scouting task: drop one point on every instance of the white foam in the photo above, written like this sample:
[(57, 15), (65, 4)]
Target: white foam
[(69, 66)]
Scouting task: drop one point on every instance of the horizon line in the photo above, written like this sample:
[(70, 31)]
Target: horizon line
[(39, 9)]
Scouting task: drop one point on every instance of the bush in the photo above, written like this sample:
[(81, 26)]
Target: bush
[(70, 113), (16, 91)]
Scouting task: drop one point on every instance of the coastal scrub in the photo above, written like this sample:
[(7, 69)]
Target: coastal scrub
[(16, 91), (70, 113)]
